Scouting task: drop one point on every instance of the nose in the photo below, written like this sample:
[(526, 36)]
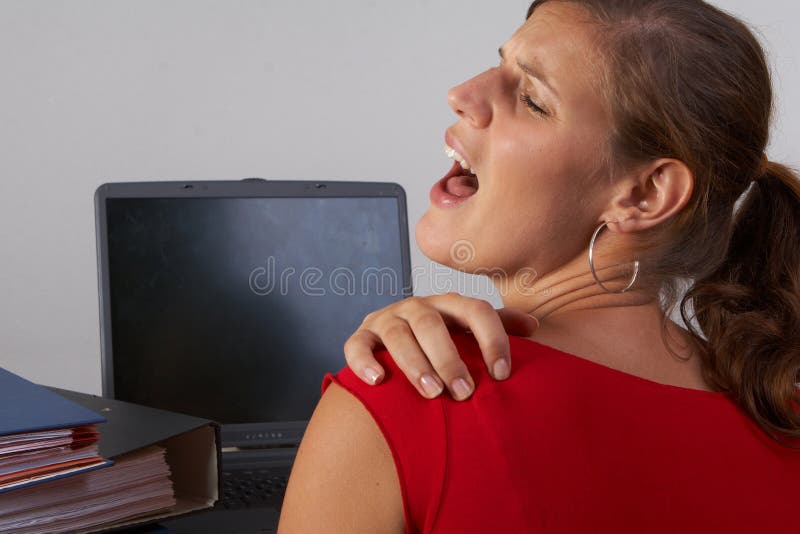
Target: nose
[(472, 100)]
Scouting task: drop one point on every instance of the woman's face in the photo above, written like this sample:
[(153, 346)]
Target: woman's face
[(533, 130)]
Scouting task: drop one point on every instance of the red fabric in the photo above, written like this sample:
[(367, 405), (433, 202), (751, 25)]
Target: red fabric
[(569, 445)]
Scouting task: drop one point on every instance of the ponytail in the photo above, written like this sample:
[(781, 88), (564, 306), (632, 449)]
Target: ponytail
[(749, 307)]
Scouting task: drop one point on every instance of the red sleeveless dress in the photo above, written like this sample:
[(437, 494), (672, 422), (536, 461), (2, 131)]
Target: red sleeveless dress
[(566, 445)]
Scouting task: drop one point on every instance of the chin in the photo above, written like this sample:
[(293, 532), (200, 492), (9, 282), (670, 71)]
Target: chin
[(434, 243), (440, 246)]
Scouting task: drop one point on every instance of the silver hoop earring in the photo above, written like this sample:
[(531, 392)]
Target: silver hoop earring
[(594, 273)]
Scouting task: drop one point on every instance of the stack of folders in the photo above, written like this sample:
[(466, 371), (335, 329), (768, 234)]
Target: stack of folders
[(137, 485), (162, 464), (43, 436), (134, 433), (50, 476)]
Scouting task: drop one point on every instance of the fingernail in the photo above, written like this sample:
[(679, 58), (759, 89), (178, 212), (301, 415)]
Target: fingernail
[(371, 374), (461, 388), (430, 386), (501, 369)]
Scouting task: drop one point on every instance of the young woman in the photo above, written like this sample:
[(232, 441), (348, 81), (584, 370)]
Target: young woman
[(597, 167)]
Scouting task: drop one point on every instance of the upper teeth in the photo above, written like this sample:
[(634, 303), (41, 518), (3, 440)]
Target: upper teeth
[(453, 154)]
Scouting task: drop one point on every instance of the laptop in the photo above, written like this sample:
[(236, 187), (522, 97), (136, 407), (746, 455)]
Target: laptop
[(230, 300)]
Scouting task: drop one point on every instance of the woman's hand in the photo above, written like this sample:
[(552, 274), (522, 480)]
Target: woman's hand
[(415, 331)]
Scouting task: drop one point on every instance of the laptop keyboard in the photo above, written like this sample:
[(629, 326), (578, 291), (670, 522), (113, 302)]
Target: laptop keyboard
[(253, 489)]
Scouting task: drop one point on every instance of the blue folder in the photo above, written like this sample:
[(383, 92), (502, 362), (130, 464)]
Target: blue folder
[(27, 407)]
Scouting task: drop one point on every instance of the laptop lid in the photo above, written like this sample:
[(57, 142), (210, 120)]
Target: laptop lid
[(231, 300)]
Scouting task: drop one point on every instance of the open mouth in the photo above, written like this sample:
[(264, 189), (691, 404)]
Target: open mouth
[(458, 185), (461, 181)]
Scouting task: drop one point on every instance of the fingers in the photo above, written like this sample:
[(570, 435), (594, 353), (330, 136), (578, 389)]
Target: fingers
[(358, 351), (514, 322), (488, 329), (415, 332), (401, 343), (399, 340), (487, 325), (434, 340)]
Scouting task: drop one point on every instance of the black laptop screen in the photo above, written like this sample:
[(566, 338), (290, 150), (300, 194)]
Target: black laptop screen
[(233, 309)]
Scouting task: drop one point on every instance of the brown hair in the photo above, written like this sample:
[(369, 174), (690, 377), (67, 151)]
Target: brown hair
[(685, 80)]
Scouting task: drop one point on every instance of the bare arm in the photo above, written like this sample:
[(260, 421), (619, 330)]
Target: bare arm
[(343, 479)]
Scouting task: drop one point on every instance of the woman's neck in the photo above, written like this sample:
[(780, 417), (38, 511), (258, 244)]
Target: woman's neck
[(572, 287), (619, 330)]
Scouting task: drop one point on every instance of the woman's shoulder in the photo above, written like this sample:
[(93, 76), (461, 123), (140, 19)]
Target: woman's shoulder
[(555, 391), (553, 419)]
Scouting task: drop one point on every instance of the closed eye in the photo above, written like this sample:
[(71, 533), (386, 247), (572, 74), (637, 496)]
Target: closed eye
[(526, 99)]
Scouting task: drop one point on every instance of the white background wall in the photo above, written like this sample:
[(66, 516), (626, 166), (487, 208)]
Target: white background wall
[(96, 91)]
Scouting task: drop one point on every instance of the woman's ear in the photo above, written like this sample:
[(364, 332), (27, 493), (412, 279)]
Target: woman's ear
[(650, 196)]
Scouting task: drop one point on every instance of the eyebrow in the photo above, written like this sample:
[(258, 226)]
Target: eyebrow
[(532, 72)]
